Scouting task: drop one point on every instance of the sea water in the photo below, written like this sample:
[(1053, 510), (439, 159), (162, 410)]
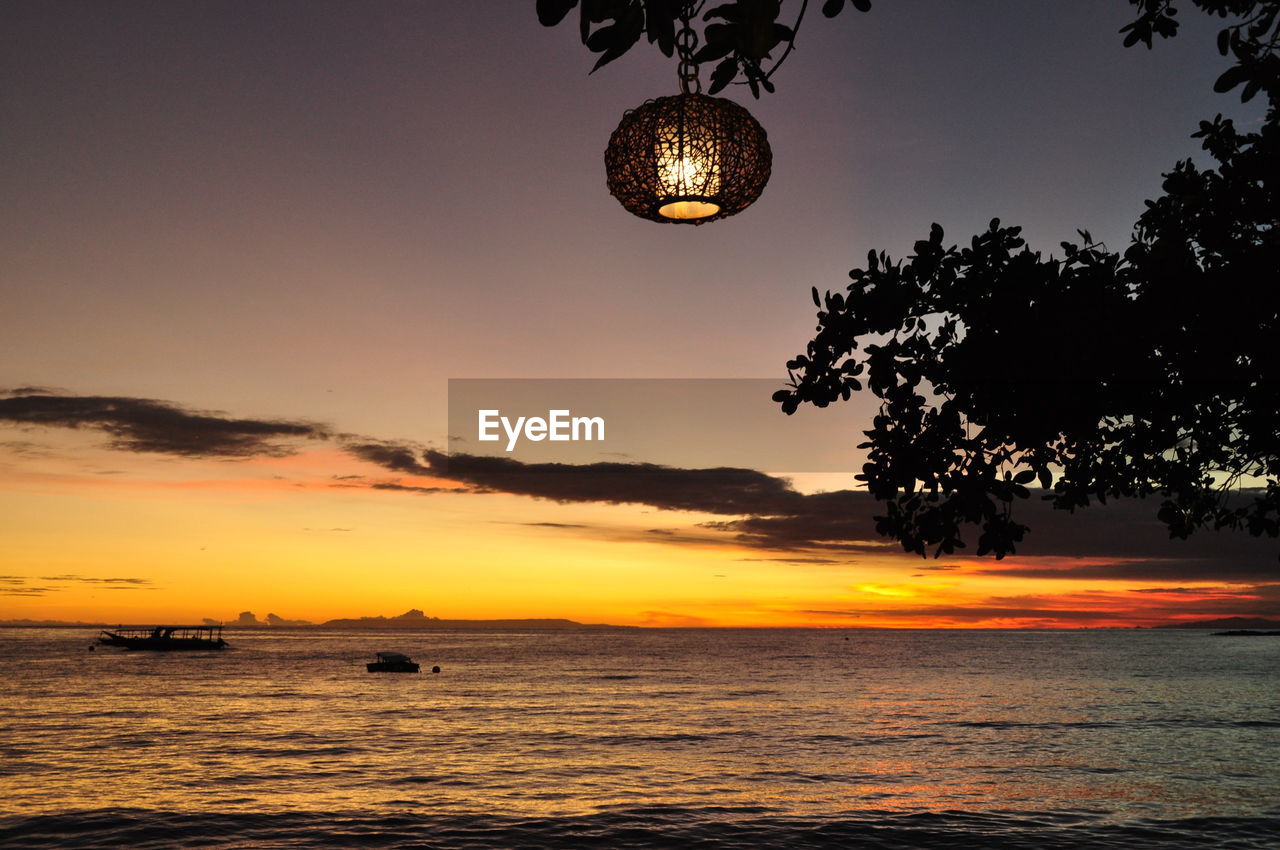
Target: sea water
[(645, 738)]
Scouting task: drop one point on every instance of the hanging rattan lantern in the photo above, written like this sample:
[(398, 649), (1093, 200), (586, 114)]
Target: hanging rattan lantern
[(689, 158)]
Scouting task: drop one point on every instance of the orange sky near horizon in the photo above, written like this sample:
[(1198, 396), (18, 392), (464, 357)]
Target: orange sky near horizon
[(98, 535)]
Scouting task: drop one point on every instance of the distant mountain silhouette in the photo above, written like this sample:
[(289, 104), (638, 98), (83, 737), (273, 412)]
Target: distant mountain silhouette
[(415, 619), (411, 619), (277, 620), (1226, 623)]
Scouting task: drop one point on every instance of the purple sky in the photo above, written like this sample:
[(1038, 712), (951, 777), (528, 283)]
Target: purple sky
[(247, 205)]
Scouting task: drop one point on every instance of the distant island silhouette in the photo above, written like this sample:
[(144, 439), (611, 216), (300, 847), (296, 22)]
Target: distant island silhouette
[(416, 619)]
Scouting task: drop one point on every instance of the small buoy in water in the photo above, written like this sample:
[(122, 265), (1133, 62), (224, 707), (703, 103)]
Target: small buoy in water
[(435, 669), (92, 647)]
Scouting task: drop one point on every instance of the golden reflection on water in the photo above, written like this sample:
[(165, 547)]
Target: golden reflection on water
[(789, 723)]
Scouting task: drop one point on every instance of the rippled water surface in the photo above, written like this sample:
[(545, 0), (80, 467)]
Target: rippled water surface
[(679, 738)]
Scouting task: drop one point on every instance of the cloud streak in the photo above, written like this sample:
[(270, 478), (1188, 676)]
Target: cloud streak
[(1098, 607), (149, 425), (397, 457), (1121, 541), (1194, 566), (725, 490), (11, 585)]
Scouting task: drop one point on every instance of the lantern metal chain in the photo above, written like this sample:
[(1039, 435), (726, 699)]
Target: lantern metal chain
[(686, 45)]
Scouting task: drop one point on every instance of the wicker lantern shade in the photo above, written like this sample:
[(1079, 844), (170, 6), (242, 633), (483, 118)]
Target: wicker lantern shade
[(688, 159)]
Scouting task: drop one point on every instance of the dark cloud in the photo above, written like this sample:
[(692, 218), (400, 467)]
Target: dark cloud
[(693, 537), (842, 520), (86, 580), (1187, 591), (1195, 565), (34, 391), (1030, 610), (976, 613), (772, 514), (19, 586), (409, 488), (554, 524), (1123, 539), (723, 491), (1261, 601), (775, 516), (398, 457), (25, 448), (148, 425)]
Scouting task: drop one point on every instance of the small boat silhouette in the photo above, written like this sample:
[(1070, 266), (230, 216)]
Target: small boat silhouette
[(392, 662), (164, 638)]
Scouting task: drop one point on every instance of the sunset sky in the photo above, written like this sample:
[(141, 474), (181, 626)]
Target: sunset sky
[(244, 247)]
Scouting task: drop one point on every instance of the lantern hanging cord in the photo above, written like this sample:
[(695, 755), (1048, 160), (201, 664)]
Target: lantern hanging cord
[(686, 44)]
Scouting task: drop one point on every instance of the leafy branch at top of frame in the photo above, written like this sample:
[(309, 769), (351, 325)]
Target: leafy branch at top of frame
[(742, 37), (1251, 40)]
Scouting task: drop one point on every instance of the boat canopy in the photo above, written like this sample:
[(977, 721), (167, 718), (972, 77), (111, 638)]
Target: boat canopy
[(207, 632), (392, 656)]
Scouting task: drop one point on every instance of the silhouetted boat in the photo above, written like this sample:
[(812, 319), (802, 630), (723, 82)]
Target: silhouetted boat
[(392, 662), (164, 638)]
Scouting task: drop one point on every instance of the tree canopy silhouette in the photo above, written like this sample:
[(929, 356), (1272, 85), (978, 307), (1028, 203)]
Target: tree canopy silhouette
[(740, 36), (1155, 372)]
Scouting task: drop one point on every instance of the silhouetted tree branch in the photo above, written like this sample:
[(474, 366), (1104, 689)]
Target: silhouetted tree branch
[(1097, 375), (740, 36)]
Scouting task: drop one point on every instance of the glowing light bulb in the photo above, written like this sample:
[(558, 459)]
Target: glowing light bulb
[(687, 175)]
